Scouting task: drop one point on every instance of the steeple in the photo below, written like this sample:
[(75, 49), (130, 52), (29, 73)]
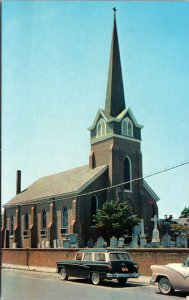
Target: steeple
[(115, 100)]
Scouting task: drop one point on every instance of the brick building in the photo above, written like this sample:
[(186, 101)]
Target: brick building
[(64, 203)]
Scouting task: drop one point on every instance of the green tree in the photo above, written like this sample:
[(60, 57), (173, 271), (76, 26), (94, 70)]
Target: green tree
[(185, 212), (115, 218)]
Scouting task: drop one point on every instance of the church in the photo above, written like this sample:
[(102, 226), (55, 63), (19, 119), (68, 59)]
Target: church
[(61, 204)]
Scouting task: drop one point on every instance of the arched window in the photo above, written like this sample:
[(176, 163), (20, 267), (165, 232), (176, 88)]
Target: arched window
[(11, 225), (127, 174), (101, 128), (26, 222), (94, 207), (130, 129), (44, 220), (124, 127), (64, 220), (127, 127)]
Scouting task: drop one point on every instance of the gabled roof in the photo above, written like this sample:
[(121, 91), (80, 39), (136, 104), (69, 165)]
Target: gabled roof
[(119, 118), (64, 183)]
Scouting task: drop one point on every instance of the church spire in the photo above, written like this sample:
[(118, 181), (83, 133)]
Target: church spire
[(115, 100)]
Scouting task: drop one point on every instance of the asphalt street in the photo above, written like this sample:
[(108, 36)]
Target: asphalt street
[(26, 285)]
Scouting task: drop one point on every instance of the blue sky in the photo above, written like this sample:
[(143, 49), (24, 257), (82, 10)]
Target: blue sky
[(55, 67)]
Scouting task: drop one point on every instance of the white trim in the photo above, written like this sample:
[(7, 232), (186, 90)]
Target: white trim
[(100, 123), (108, 136), (118, 119), (127, 121)]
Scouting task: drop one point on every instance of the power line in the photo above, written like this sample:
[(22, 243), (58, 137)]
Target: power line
[(61, 197)]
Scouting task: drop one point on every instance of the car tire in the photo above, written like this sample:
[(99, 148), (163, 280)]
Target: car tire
[(165, 286), (122, 281), (63, 274), (95, 278)]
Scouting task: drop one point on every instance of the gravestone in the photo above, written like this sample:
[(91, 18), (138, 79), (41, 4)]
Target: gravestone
[(134, 243), (143, 242), (14, 245), (42, 244), (155, 234), (181, 241), (100, 242), (90, 243), (66, 243), (121, 242), (47, 244), (166, 240), (59, 244), (73, 240), (81, 243), (54, 243), (113, 242)]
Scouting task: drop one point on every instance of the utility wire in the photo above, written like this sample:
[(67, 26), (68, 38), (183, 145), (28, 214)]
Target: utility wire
[(61, 197)]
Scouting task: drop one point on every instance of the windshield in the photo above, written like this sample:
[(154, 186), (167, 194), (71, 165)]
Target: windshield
[(119, 256)]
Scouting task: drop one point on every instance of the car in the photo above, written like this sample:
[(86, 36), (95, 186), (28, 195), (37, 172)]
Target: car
[(171, 277), (99, 264)]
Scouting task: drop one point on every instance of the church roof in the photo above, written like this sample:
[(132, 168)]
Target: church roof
[(64, 183), (115, 99)]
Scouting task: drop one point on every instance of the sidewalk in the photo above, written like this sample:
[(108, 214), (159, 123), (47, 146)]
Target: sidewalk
[(141, 279)]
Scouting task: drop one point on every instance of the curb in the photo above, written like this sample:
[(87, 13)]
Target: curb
[(141, 279)]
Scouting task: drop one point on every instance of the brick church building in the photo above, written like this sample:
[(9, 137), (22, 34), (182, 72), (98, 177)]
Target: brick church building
[(64, 203)]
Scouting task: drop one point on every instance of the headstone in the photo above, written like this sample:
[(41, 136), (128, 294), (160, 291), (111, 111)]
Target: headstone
[(143, 242), (81, 243), (120, 242), (90, 243), (166, 241), (54, 243), (137, 229), (47, 244), (113, 242), (66, 243), (155, 235), (181, 241), (43, 244), (59, 244), (72, 237), (100, 242), (134, 243), (14, 245)]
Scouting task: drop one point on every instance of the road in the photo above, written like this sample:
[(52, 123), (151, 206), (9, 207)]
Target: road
[(26, 285)]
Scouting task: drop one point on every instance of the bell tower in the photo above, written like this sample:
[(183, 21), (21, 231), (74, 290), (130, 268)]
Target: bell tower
[(116, 135)]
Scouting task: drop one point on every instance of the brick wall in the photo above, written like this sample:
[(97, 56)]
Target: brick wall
[(48, 257)]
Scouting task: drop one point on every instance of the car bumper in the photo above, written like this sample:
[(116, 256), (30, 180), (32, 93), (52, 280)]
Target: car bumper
[(152, 281), (122, 275)]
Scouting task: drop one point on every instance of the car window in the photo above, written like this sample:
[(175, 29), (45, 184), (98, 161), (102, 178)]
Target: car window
[(99, 256), (88, 256), (79, 256), (119, 256)]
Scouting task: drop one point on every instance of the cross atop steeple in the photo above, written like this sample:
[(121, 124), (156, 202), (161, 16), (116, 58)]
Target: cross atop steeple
[(114, 9), (115, 100)]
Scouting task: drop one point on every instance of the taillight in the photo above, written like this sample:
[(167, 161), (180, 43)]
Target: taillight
[(109, 267), (136, 265)]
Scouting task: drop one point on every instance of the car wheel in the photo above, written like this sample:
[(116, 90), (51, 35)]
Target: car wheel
[(122, 281), (95, 278), (63, 274), (165, 286)]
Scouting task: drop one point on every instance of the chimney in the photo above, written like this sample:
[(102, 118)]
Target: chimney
[(18, 181)]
